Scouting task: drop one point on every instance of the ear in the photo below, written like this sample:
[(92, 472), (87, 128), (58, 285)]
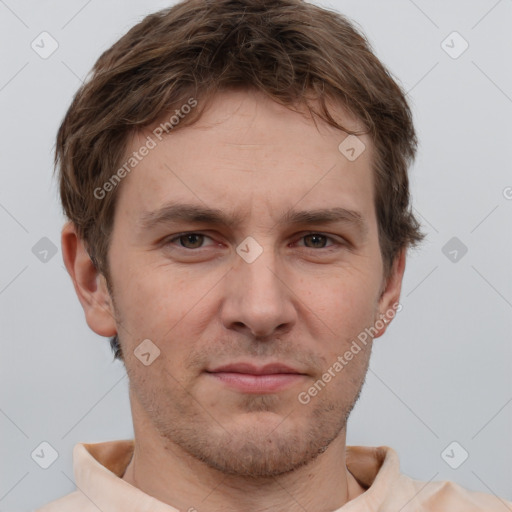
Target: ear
[(388, 304), (90, 285)]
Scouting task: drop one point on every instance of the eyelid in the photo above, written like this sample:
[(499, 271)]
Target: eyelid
[(176, 237), (332, 238), (337, 241)]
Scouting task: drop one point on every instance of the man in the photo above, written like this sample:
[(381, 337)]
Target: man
[(235, 178)]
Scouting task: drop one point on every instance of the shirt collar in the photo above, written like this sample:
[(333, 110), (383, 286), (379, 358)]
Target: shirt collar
[(99, 468)]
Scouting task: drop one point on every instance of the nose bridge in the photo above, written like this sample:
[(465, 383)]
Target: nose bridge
[(256, 294), (260, 269)]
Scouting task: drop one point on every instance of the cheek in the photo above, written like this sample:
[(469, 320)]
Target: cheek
[(345, 299), (348, 311), (162, 303)]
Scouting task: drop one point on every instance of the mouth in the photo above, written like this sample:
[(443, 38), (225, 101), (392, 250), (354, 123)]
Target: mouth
[(249, 378)]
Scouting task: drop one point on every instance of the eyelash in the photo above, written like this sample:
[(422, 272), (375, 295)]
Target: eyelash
[(180, 235)]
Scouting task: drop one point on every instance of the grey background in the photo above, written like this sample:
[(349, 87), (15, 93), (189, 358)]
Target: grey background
[(441, 373)]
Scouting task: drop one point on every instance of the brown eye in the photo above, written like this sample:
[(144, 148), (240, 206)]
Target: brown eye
[(317, 240), (191, 240)]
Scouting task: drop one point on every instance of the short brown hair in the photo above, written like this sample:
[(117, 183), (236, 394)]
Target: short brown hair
[(292, 51)]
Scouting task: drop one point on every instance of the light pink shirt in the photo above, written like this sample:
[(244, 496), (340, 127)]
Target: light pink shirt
[(99, 467)]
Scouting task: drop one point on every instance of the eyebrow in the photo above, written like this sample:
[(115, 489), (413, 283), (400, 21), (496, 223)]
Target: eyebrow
[(200, 214)]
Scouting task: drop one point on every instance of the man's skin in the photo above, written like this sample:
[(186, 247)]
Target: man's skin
[(201, 441)]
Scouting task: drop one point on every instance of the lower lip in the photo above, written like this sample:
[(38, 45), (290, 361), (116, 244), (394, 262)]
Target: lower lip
[(249, 383)]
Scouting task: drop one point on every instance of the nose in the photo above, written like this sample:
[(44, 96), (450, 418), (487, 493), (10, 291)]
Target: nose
[(258, 301)]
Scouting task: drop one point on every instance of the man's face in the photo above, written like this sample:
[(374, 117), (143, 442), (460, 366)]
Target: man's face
[(208, 300)]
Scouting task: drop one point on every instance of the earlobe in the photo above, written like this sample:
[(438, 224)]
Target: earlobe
[(90, 286), (389, 302)]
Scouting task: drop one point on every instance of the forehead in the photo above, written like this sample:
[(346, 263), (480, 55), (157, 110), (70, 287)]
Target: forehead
[(247, 153)]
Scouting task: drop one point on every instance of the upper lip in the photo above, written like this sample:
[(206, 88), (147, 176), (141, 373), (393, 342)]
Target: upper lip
[(249, 368)]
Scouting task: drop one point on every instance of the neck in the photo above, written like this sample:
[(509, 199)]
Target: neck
[(166, 472)]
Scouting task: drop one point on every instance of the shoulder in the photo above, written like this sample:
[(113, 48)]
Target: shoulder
[(445, 495), (75, 501), (388, 489)]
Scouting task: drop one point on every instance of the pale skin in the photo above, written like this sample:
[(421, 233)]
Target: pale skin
[(200, 443)]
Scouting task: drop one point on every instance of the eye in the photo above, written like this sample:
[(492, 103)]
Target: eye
[(192, 240), (189, 240), (318, 241)]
